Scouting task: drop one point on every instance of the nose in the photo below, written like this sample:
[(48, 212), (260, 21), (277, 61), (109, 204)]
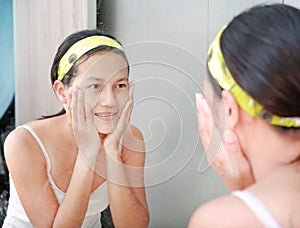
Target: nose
[(106, 97)]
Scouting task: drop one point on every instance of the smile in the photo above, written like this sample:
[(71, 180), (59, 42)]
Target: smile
[(106, 116)]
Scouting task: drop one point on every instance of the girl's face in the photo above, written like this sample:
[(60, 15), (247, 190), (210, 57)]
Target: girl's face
[(104, 81)]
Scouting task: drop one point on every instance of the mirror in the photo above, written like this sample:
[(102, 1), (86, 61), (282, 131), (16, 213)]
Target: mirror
[(166, 43)]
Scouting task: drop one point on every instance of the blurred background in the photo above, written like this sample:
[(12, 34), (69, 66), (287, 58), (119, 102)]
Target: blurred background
[(166, 42)]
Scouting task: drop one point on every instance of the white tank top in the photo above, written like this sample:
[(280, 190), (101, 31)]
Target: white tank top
[(16, 216), (258, 208)]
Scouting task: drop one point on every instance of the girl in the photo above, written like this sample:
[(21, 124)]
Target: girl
[(66, 168), (253, 84)]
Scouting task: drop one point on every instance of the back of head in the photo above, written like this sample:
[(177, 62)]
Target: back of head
[(261, 48)]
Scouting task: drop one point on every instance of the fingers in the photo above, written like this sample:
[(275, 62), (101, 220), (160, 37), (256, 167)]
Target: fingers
[(223, 151), (242, 166), (74, 112), (69, 99), (232, 164), (131, 90), (80, 113), (80, 108), (209, 133), (123, 121), (125, 114), (88, 114), (205, 119)]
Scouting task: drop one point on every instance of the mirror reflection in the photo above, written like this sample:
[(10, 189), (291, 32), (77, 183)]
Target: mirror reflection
[(165, 45)]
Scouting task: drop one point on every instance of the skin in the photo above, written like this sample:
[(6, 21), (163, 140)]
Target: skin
[(268, 165), (84, 152)]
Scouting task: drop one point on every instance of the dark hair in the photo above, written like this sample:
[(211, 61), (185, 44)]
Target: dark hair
[(64, 47), (261, 48)]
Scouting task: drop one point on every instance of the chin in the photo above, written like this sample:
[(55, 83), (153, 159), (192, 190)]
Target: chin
[(105, 127), (105, 131)]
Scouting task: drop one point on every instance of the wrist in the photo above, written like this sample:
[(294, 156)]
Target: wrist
[(113, 155), (89, 156)]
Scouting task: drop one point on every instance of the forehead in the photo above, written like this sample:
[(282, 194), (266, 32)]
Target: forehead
[(103, 65)]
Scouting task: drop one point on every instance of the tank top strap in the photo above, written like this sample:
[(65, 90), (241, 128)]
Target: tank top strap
[(258, 208), (39, 141)]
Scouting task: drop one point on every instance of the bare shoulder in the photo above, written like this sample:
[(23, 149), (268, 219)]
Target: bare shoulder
[(133, 139), (19, 147), (18, 138), (225, 211), (133, 146), (133, 133)]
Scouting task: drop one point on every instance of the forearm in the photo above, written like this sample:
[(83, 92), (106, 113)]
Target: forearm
[(127, 210), (73, 208)]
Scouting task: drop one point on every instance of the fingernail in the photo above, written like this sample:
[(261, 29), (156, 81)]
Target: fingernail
[(229, 136), (199, 96), (201, 103)]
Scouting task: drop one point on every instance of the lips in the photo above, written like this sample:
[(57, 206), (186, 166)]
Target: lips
[(106, 116)]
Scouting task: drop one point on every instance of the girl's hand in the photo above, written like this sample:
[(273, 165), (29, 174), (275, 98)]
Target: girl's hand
[(84, 129), (227, 158), (111, 142)]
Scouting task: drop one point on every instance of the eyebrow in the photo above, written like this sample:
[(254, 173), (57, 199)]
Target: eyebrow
[(122, 79), (93, 78)]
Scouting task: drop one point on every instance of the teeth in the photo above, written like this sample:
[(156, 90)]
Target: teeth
[(104, 115)]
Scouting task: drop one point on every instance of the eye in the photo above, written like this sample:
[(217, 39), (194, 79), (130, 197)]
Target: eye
[(121, 85), (94, 86)]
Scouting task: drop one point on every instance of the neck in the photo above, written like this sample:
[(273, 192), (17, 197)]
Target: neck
[(267, 149)]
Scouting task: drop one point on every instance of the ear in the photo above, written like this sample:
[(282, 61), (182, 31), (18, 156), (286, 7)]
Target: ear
[(61, 91), (232, 110)]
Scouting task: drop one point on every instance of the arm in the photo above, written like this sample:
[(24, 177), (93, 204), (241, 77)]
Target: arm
[(126, 182), (28, 170), (125, 172), (71, 212)]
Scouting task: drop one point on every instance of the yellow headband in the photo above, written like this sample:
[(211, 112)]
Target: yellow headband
[(219, 71), (80, 48)]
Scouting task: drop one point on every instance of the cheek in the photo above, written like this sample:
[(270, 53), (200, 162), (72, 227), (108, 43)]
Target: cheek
[(90, 99), (122, 97)]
